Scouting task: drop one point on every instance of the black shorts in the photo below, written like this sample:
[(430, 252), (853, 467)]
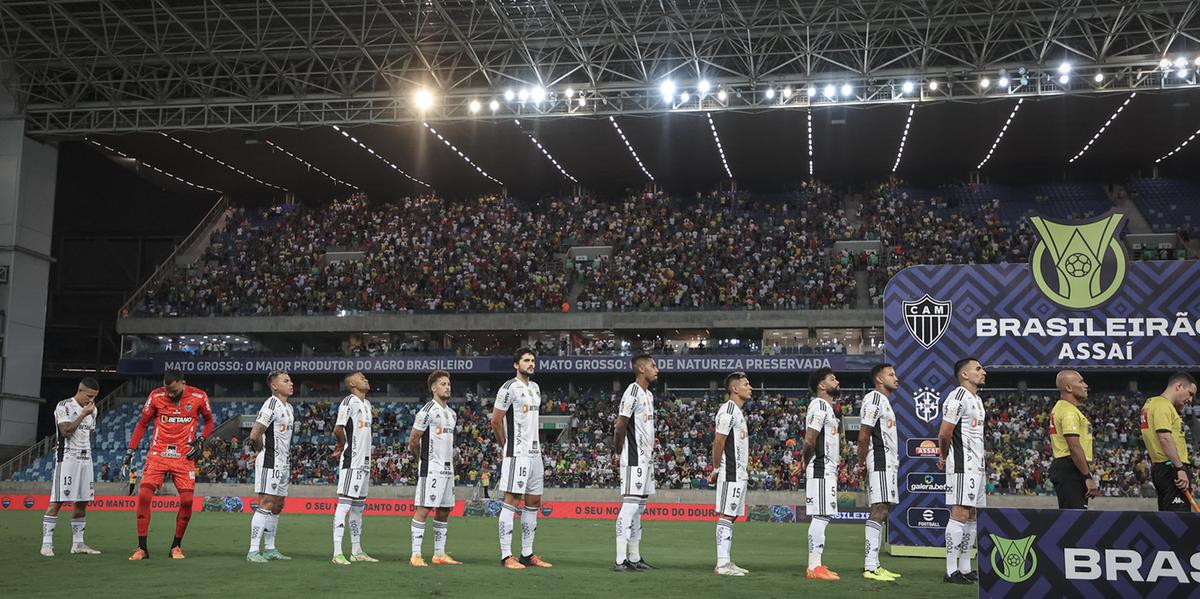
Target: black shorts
[(1069, 484), (1170, 497)]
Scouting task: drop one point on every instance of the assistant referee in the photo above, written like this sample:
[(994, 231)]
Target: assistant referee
[(1071, 443), (1162, 432)]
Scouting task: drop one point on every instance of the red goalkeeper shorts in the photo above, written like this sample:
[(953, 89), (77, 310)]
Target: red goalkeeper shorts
[(183, 473)]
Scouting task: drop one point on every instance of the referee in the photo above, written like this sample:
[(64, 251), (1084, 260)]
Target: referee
[(1162, 432), (1071, 443)]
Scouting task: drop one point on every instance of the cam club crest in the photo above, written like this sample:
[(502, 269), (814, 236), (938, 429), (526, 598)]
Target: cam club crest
[(927, 404), (927, 319), (1078, 265)]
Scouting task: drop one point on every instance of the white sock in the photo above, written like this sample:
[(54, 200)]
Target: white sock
[(724, 541), (964, 556), (506, 529), (356, 522), (874, 535), (816, 540), (339, 525), (955, 531), (77, 526), (258, 525), (48, 524), (440, 531), (635, 535), (625, 528), (528, 528), (269, 531), (418, 536)]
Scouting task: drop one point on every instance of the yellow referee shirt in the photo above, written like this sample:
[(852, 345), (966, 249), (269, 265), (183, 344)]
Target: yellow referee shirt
[(1159, 415), (1066, 420)]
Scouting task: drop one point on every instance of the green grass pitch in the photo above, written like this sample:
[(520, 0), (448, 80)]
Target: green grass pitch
[(581, 551)]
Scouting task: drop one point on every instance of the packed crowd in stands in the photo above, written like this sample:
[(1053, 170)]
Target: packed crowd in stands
[(1017, 443)]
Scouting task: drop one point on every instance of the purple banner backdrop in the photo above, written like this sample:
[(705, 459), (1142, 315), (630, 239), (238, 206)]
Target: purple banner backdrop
[(155, 364), (936, 315), (1035, 554)]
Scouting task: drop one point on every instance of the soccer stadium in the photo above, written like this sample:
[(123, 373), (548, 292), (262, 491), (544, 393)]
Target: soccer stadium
[(627, 297)]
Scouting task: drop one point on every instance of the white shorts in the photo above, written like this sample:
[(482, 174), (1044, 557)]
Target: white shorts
[(820, 496), (522, 476), (637, 480), (881, 487), (73, 480), (354, 482), (965, 489), (435, 491), (272, 481), (731, 498)]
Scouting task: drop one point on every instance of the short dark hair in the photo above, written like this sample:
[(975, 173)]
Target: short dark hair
[(521, 351), (960, 365), (274, 374), (172, 375), (814, 379), (731, 377), (1181, 377), (434, 376), (639, 359), (88, 382), (878, 368), (349, 375)]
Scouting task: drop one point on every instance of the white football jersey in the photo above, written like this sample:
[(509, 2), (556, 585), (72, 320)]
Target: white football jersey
[(79, 444), (521, 403), (826, 455), (965, 411), (877, 413), (437, 444), (638, 406), (731, 422), (355, 415), (277, 416)]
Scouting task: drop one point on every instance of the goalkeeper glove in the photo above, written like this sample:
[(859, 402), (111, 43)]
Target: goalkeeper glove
[(197, 447), (128, 461)]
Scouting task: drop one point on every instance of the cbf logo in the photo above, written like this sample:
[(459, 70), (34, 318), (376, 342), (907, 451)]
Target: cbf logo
[(1078, 265), (927, 403), (1014, 560), (927, 319)]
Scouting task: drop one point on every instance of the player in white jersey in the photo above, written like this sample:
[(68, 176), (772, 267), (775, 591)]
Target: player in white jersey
[(271, 439), (878, 460), (352, 429), (75, 418), (432, 441), (731, 468), (962, 455), (820, 459), (634, 441), (515, 422)]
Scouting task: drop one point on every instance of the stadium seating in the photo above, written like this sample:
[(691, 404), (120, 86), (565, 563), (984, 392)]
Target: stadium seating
[(1169, 205)]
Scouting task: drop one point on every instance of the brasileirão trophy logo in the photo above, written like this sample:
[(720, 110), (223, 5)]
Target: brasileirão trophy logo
[(1014, 559), (1078, 265)]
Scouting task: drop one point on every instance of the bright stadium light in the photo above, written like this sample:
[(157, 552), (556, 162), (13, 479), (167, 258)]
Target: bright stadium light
[(1164, 64), (1003, 82), (704, 86), (523, 95), (1181, 73), (787, 92), (684, 97), (494, 105), (985, 83), (474, 106), (569, 93), (539, 94), (1064, 68), (667, 89), (770, 93), (933, 85), (509, 96), (582, 101), (721, 95), (1197, 61), (830, 90), (907, 87), (1064, 79), (847, 90), (423, 99), (1098, 78), (1181, 62), (812, 90)]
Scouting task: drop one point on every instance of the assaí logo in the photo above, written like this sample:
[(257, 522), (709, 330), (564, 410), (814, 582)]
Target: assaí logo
[(1014, 560), (1078, 265)]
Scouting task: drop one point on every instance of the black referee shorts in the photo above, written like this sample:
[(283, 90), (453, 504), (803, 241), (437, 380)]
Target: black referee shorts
[(1069, 484), (1170, 497)]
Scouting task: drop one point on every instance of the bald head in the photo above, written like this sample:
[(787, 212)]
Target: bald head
[(1071, 386)]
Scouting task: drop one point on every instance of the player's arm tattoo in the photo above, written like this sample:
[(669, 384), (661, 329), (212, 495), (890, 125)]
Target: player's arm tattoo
[(256, 434), (945, 433)]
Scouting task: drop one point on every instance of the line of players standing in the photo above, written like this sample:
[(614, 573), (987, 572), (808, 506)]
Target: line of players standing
[(176, 408)]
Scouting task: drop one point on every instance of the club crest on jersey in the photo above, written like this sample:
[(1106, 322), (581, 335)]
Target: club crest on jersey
[(926, 404), (927, 319), (187, 407)]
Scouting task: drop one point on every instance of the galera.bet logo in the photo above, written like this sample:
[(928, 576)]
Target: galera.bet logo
[(1078, 265)]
